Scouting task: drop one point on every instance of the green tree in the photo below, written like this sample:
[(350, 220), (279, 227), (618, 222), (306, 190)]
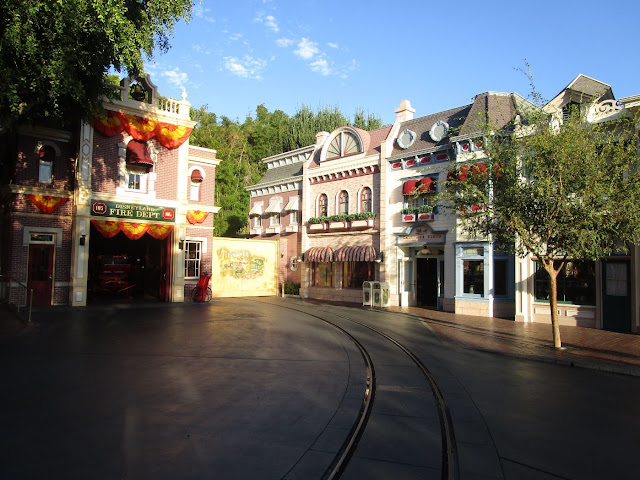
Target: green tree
[(55, 55), (553, 189)]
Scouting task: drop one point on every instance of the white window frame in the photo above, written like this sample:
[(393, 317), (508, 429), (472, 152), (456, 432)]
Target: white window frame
[(196, 261), (138, 171)]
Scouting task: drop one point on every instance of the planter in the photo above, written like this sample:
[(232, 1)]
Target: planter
[(317, 227), (361, 224), (273, 230), (409, 217), (291, 228), (341, 225), (425, 216)]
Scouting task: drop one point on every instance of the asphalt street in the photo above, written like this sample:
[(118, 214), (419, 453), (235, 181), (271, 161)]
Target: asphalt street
[(265, 388)]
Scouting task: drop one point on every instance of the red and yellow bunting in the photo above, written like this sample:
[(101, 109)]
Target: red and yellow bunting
[(111, 124), (196, 216), (142, 128), (107, 228), (47, 204), (172, 136), (134, 231), (159, 231)]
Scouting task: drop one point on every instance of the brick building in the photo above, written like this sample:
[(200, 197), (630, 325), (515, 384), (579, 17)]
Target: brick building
[(123, 207)]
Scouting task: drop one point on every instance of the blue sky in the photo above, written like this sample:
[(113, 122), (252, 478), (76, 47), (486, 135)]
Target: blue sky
[(235, 55)]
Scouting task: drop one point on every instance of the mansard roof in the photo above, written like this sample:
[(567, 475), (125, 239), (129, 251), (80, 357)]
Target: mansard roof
[(278, 174)]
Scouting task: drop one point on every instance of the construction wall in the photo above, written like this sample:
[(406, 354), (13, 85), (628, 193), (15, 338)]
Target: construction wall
[(243, 268)]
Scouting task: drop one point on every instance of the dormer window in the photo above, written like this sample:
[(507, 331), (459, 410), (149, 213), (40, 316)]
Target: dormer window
[(45, 170), (344, 144)]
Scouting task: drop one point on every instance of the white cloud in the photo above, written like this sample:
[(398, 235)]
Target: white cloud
[(332, 45), (269, 22), (235, 36), (306, 49), (245, 67), (200, 12), (284, 42), (321, 65), (176, 77)]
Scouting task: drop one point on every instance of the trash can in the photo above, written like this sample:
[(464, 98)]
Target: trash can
[(385, 292), (376, 294), (366, 293)]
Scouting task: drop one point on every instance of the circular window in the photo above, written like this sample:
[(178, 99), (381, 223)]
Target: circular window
[(406, 138), (439, 130)]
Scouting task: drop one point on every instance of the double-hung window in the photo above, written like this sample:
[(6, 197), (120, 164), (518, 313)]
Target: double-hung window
[(192, 259)]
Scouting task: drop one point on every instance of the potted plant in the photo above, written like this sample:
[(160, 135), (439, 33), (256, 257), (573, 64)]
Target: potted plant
[(425, 212)]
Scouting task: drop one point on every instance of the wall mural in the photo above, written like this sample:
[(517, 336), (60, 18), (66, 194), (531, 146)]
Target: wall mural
[(240, 264)]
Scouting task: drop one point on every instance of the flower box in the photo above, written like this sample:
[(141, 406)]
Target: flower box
[(340, 225), (291, 228), (273, 230), (317, 227), (425, 216), (409, 217), (255, 231), (363, 223)]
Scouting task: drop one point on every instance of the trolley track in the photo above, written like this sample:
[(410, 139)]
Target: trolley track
[(449, 458)]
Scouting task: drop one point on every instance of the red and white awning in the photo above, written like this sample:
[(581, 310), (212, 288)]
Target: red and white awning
[(138, 153), (355, 254), (319, 254)]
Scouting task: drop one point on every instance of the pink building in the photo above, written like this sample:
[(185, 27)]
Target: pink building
[(121, 208)]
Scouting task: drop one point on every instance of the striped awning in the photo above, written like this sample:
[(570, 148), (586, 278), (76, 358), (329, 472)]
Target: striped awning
[(319, 254), (409, 187), (275, 206), (256, 210), (292, 205), (355, 254)]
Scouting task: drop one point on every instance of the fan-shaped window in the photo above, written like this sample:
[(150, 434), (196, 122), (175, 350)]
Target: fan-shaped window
[(345, 143), (323, 204), (365, 200), (343, 203)]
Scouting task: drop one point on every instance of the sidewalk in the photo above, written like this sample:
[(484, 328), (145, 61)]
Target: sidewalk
[(583, 347)]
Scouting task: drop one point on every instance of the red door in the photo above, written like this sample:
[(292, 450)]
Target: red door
[(165, 271), (40, 278)]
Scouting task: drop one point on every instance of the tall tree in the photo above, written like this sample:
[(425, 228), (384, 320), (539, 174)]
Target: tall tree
[(556, 190), (54, 55)]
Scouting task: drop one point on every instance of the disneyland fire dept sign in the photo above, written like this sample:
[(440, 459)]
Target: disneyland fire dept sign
[(132, 211)]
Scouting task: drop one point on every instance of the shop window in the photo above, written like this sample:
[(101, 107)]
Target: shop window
[(46, 156), (323, 206), (473, 277), (355, 273), (576, 282), (343, 203), (366, 203), (192, 259), (322, 274)]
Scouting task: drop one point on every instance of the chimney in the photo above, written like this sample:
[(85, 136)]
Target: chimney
[(404, 111)]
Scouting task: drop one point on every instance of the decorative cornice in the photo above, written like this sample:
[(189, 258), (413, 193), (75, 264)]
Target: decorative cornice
[(343, 174)]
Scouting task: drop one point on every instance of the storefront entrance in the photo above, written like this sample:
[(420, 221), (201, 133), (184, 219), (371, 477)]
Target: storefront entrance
[(40, 279), (123, 268), (616, 296), (427, 282)]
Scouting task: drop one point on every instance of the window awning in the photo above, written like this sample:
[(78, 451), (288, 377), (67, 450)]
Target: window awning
[(426, 184), (355, 254), (275, 206), (196, 176), (409, 187), (138, 153), (319, 254), (292, 205), (256, 210)]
